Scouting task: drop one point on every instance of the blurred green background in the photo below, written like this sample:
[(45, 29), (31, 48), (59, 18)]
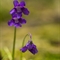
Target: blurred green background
[(43, 23)]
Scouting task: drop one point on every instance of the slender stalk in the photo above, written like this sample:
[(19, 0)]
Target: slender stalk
[(13, 51), (23, 43), (24, 39)]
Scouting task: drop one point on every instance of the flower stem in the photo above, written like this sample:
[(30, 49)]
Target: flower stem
[(24, 39), (13, 51), (24, 42)]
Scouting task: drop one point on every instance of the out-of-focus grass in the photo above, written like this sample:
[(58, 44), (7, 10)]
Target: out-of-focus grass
[(42, 36), (42, 55)]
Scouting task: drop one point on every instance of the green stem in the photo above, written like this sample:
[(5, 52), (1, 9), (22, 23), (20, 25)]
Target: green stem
[(24, 39), (13, 51), (23, 44)]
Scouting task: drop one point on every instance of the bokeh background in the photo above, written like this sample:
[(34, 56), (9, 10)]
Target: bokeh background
[(43, 23)]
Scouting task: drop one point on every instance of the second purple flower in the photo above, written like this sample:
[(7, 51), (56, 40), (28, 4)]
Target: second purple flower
[(30, 46)]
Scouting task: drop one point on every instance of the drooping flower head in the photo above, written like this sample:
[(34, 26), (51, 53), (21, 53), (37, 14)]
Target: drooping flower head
[(16, 13), (30, 46)]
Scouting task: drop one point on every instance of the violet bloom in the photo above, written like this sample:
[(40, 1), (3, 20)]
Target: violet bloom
[(29, 46), (16, 13), (19, 8), (17, 22)]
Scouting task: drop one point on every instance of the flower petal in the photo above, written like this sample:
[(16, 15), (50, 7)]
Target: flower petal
[(29, 45), (25, 11), (12, 11), (11, 22), (19, 14), (22, 21), (15, 2), (24, 49), (17, 24), (33, 50), (22, 4), (14, 15)]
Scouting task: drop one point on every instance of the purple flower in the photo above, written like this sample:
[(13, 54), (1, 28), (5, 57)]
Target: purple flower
[(24, 49), (29, 46), (16, 13), (19, 8), (17, 22)]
